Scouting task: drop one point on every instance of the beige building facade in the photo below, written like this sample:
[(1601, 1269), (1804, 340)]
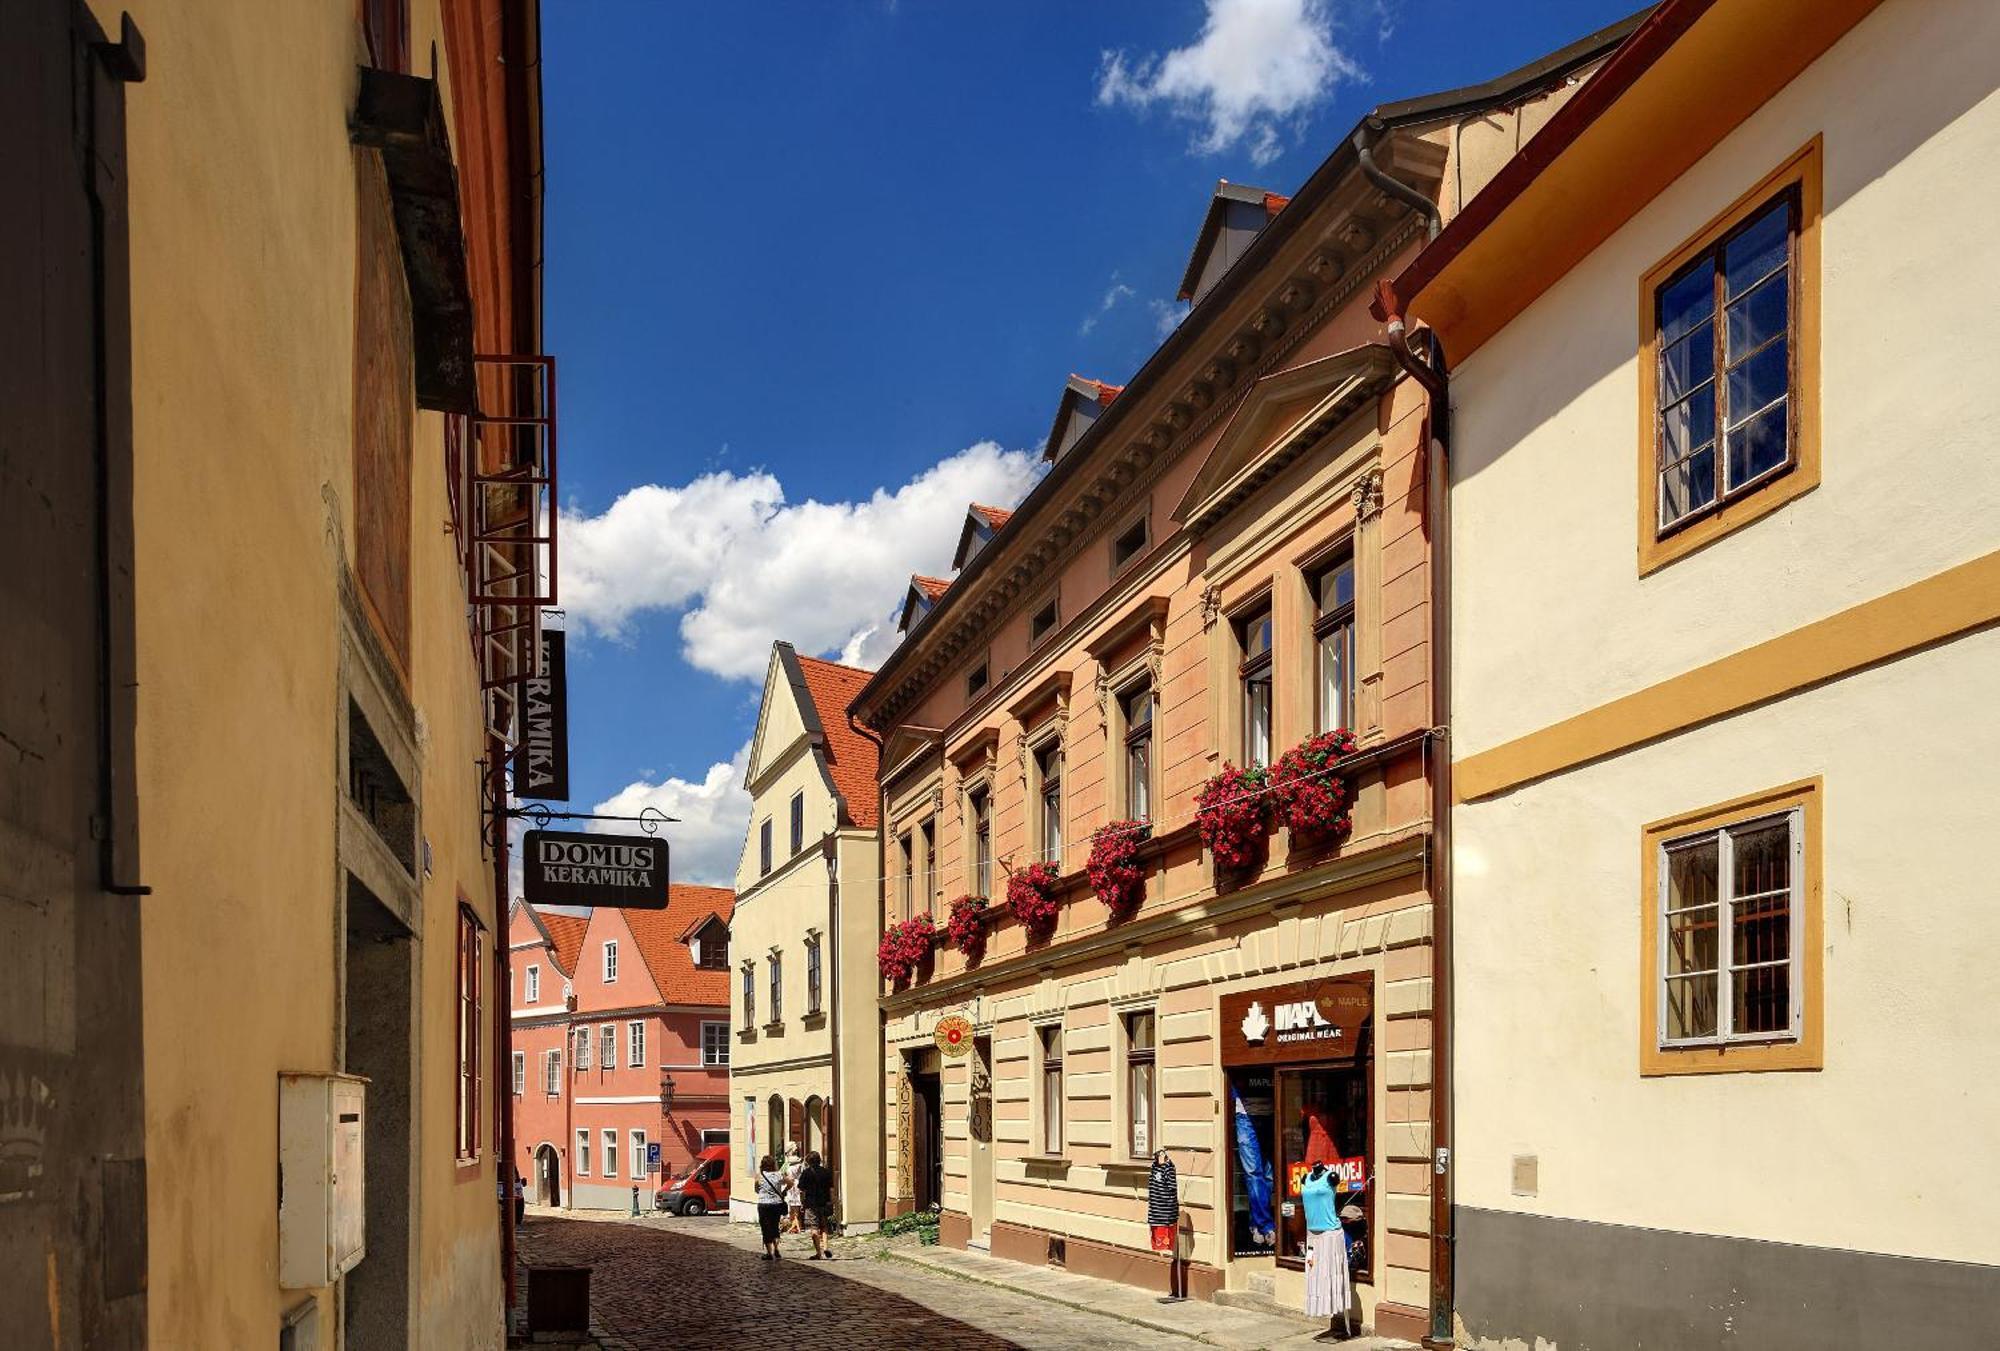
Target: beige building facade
[(300, 889), (1227, 560), (1721, 696), (804, 1064)]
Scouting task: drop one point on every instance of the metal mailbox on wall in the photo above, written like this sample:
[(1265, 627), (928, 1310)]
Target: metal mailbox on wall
[(322, 1172)]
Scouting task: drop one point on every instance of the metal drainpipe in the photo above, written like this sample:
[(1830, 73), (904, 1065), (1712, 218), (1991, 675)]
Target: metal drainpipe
[(1364, 146), (1429, 371), (830, 849), (503, 1041)]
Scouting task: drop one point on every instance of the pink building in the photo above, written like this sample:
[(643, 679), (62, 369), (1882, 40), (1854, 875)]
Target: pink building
[(621, 1041)]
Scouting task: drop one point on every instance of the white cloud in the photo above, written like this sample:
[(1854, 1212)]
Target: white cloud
[(1167, 315), (1256, 70), (745, 567), (1116, 294), (712, 815)]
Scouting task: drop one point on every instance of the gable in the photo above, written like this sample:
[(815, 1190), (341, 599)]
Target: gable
[(784, 715), (1281, 418), (634, 985)]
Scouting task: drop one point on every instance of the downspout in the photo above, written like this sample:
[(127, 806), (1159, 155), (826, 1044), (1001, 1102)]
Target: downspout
[(1364, 147), (830, 849), (881, 862), (1428, 370)]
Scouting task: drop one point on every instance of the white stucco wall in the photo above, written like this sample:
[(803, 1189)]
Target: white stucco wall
[(1550, 617), (1887, 1148)]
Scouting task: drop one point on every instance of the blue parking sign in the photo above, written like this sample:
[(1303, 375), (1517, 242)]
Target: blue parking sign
[(652, 1156)]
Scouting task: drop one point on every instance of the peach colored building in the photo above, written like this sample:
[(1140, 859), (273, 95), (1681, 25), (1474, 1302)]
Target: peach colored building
[(1228, 557), (621, 1041)]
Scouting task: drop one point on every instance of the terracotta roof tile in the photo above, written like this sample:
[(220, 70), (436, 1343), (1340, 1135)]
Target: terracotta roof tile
[(1105, 392), (851, 758), (932, 587), (1274, 203), (567, 932), (993, 516), (668, 961)]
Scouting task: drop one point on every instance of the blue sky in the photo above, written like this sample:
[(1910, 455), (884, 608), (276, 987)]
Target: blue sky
[(816, 271)]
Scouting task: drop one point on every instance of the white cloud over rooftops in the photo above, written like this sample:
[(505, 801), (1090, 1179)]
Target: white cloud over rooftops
[(1251, 76), (745, 567)]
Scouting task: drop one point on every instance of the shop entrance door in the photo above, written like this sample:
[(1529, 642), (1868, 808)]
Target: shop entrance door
[(979, 1126), (927, 1151)]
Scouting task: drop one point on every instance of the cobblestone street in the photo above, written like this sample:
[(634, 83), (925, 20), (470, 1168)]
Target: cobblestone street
[(659, 1282)]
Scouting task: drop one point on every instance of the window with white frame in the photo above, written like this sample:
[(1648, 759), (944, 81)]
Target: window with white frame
[(520, 1072), (1253, 638), (1729, 914), (552, 1073), (1333, 641), (777, 986), (534, 984), (610, 1153), (610, 959), (638, 1139), (583, 1048), (1140, 1098), (607, 1047), (635, 1043), (715, 1043), (1049, 1038), (583, 1153), (749, 994)]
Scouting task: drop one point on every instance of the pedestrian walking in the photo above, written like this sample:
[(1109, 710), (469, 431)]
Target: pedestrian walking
[(815, 1183), (771, 1184), (520, 1201), (794, 1203)]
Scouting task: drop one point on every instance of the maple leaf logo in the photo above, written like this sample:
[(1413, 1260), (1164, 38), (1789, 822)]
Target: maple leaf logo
[(1255, 1024)]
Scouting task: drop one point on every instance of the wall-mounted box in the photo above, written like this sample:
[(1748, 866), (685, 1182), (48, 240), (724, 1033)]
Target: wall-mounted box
[(321, 1124)]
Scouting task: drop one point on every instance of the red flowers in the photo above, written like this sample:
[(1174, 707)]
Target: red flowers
[(966, 927), (1115, 874), (1312, 800), (1032, 894), (904, 947), (1234, 811)]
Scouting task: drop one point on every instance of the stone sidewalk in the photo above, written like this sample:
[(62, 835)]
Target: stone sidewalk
[(663, 1282)]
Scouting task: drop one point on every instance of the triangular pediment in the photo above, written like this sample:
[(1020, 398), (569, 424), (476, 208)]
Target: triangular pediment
[(784, 714), (1282, 417)]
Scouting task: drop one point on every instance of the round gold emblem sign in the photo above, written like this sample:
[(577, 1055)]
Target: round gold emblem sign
[(954, 1035)]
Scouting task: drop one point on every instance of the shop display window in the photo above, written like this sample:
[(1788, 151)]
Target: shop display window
[(1323, 1117)]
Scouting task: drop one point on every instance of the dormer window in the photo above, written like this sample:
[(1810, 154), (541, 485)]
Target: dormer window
[(981, 524), (1083, 401), (709, 948), (1237, 214)]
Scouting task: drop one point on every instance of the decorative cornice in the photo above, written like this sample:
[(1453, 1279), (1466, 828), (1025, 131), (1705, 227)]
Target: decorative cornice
[(1293, 310)]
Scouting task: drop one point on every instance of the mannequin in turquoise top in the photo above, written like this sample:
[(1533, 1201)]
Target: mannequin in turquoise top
[(1317, 1194)]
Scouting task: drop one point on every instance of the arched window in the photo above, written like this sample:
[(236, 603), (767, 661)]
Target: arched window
[(815, 1141)]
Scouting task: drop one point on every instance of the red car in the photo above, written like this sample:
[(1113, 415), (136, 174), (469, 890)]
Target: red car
[(703, 1189)]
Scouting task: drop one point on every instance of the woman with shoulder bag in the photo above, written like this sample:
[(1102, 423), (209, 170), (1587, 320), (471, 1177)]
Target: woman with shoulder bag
[(771, 1184)]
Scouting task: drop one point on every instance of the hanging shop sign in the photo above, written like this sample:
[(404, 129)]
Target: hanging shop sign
[(1306, 1020), (954, 1035), (541, 765), (566, 867)]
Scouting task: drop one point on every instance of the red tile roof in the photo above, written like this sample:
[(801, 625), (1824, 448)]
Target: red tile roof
[(993, 516), (567, 933), (1274, 203), (932, 587), (1105, 392), (668, 961), (853, 760)]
